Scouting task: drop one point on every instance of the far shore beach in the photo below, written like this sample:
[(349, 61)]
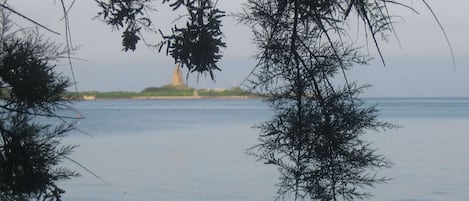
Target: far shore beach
[(191, 97), (175, 98)]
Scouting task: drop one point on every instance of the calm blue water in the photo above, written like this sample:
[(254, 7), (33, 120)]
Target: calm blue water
[(192, 150)]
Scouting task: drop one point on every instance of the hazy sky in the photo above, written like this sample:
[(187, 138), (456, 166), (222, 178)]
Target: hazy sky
[(422, 66)]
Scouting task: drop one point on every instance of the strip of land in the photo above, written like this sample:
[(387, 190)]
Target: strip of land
[(167, 92), (191, 97)]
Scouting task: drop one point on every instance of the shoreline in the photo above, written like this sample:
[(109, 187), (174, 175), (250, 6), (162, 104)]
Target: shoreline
[(174, 98), (190, 97)]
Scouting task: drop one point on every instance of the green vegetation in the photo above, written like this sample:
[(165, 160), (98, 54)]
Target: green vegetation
[(110, 94), (168, 90), (234, 91), (163, 91)]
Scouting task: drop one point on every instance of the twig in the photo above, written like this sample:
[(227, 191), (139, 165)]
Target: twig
[(87, 170), (444, 33), (29, 19)]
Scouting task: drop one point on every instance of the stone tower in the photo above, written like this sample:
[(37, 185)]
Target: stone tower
[(177, 77)]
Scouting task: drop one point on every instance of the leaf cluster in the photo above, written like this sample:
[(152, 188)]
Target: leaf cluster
[(26, 72), (329, 18), (315, 137), (30, 143), (29, 155), (129, 14), (197, 45)]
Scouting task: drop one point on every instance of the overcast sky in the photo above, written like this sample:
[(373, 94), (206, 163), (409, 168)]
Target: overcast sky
[(421, 67)]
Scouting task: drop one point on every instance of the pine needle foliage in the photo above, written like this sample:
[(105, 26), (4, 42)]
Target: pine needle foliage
[(315, 138), (32, 96), (329, 18)]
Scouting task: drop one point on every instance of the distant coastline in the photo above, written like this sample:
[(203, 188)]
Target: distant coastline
[(172, 98), (167, 92), (176, 90), (191, 97)]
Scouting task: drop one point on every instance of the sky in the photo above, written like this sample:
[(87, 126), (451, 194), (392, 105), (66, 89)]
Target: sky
[(421, 66)]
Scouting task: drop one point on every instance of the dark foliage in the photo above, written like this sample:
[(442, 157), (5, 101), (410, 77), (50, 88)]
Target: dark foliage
[(197, 45), (27, 74), (29, 156), (315, 137), (328, 17), (129, 14), (30, 143)]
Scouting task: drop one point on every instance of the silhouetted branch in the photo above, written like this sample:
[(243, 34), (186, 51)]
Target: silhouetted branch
[(444, 33), (4, 6)]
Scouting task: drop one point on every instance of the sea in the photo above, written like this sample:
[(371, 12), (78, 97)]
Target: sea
[(195, 150)]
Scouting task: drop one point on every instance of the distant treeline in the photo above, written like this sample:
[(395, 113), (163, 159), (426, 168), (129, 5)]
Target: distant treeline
[(164, 91)]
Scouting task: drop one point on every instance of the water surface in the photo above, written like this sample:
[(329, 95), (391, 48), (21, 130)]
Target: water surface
[(192, 150)]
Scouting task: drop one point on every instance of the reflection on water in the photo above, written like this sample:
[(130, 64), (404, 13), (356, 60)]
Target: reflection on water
[(191, 150)]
